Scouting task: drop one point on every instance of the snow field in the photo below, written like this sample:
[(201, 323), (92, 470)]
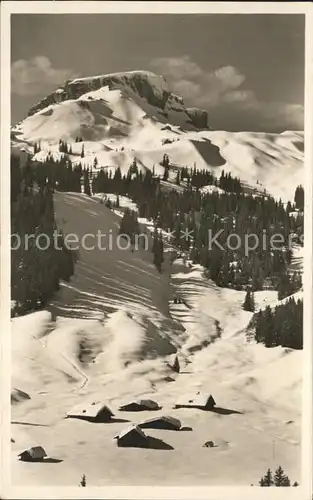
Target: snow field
[(257, 390)]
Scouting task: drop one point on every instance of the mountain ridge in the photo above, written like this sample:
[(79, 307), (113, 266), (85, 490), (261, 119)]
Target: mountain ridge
[(122, 117), (146, 84)]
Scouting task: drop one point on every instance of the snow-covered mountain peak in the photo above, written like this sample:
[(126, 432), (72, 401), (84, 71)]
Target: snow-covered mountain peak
[(144, 87), (131, 115), (127, 78)]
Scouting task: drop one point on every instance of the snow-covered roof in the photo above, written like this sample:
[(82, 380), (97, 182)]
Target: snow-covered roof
[(195, 399), (130, 429), (35, 452), (89, 410), (146, 403), (171, 420)]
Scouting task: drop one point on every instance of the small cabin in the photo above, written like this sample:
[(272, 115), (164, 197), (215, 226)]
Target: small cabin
[(197, 400), (33, 454), (95, 411), (140, 405), (166, 423), (132, 437), (209, 444)]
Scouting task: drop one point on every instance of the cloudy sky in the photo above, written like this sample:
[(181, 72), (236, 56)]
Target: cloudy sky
[(246, 70)]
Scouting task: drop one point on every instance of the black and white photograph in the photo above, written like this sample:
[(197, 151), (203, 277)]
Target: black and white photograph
[(156, 207)]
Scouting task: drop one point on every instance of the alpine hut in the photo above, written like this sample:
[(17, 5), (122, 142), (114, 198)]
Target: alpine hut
[(140, 405), (167, 423), (197, 400), (33, 454), (132, 436), (93, 412)]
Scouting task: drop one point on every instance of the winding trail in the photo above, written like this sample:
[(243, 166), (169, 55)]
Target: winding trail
[(85, 377)]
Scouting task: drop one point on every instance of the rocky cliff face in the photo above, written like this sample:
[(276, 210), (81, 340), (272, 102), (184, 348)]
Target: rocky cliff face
[(153, 88), (198, 117), (147, 85)]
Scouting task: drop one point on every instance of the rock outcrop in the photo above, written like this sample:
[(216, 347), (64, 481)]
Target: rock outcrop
[(145, 84), (198, 117)]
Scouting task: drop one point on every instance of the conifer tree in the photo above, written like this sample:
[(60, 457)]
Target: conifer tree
[(129, 224), (248, 304), (87, 183), (176, 365), (165, 161), (166, 173), (161, 250), (267, 479), (157, 250), (268, 327), (284, 286), (299, 198), (133, 169), (280, 478), (108, 203), (252, 302), (83, 482)]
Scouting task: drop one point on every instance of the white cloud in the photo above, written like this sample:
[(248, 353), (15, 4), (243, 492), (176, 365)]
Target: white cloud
[(221, 92), (36, 75)]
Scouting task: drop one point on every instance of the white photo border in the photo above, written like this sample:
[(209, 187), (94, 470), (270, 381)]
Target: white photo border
[(7, 490)]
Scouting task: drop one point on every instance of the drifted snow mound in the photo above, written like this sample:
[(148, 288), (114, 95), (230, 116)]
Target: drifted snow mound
[(131, 338), (34, 363), (121, 339), (27, 332), (66, 354), (275, 378)]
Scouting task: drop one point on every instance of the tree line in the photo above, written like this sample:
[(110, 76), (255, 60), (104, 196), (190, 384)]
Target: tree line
[(36, 271), (200, 214), (279, 326), (279, 478)]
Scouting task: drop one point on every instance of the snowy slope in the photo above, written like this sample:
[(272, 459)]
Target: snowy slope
[(122, 308), (273, 162), (134, 115)]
